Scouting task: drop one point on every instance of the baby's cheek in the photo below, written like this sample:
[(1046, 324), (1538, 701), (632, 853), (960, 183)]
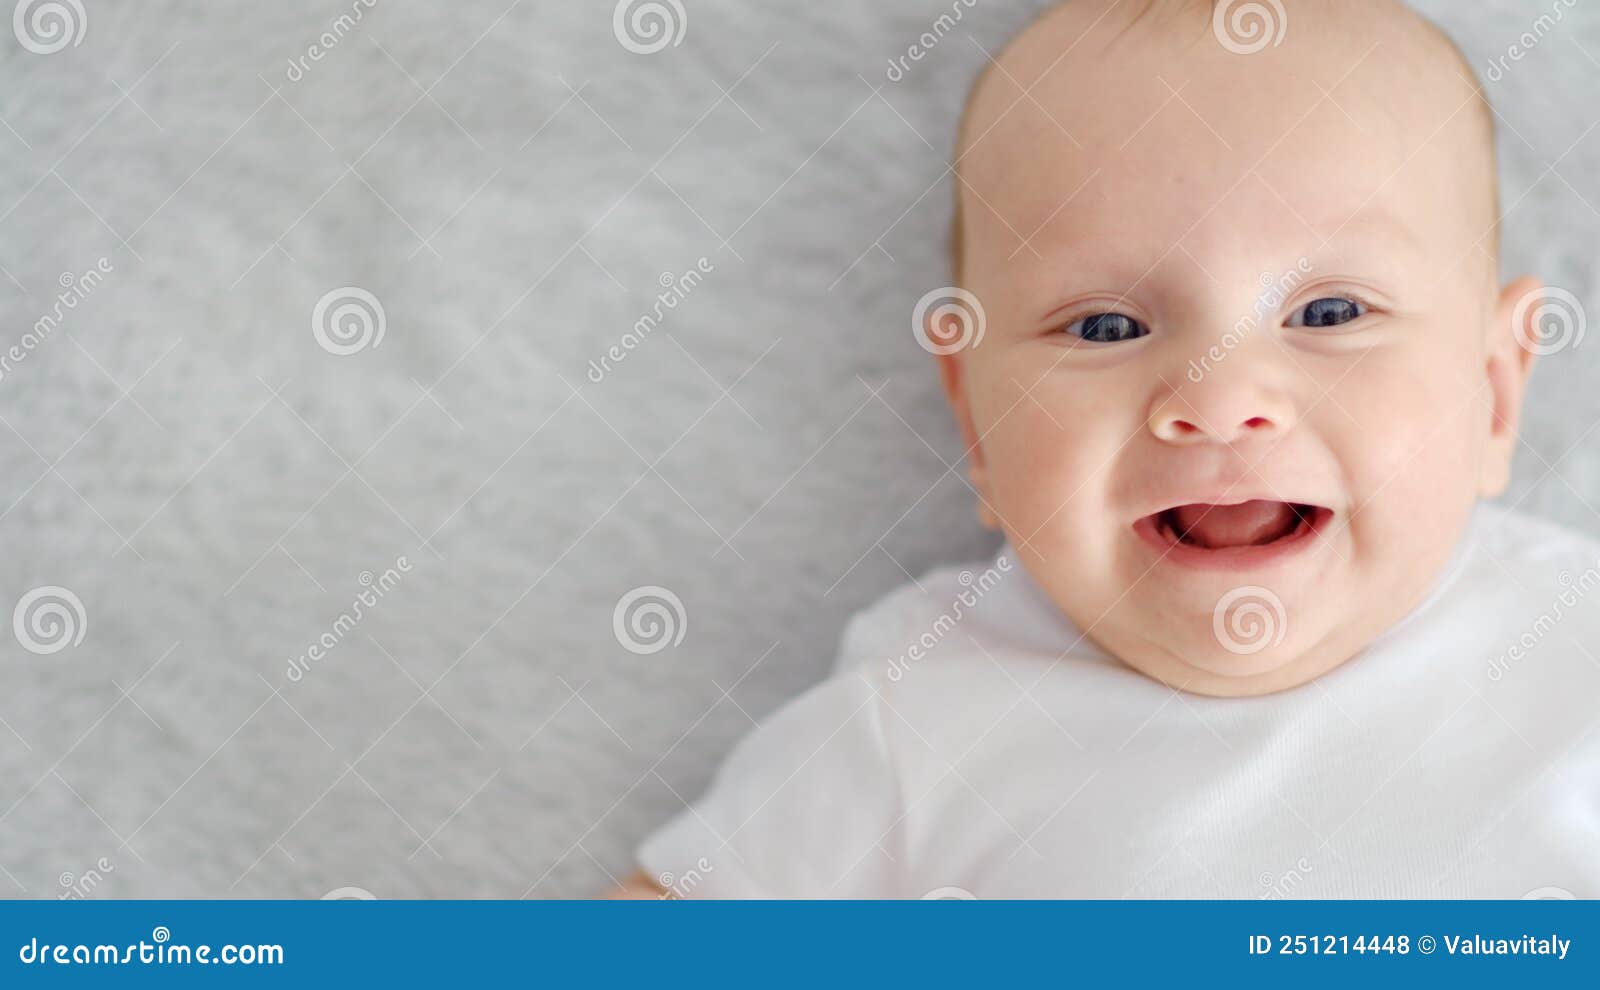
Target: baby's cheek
[(1406, 436), (1047, 453)]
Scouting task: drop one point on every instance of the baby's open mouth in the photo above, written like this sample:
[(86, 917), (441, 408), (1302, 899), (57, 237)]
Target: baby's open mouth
[(1258, 522)]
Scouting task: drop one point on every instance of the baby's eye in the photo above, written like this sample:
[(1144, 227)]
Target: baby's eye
[(1330, 312), (1107, 328)]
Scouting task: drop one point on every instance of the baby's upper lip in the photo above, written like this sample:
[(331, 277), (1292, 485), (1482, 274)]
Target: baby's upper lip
[(1233, 495)]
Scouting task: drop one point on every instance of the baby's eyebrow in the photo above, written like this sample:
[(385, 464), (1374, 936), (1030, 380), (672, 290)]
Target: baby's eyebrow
[(1374, 222)]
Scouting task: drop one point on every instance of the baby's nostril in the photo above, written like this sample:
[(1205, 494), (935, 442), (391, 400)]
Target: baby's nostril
[(1255, 422)]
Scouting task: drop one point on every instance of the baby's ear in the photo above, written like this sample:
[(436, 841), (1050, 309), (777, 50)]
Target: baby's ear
[(1515, 339), (953, 374)]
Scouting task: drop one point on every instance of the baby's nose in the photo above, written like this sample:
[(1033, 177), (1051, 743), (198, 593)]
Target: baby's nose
[(1219, 414)]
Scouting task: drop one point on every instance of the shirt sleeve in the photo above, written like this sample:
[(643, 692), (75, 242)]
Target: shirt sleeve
[(806, 806)]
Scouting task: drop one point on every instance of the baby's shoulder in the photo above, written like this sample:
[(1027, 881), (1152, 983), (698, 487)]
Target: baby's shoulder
[(982, 602), (1513, 536), (968, 631)]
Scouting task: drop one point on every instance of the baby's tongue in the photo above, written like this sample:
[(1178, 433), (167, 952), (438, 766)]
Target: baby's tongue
[(1245, 524)]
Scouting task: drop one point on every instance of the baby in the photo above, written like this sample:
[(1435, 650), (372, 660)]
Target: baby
[(1234, 370)]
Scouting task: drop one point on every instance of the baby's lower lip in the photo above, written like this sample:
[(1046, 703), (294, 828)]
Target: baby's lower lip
[(1168, 548)]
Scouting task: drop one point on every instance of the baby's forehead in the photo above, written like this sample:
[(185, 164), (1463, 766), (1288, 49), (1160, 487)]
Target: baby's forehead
[(1089, 118)]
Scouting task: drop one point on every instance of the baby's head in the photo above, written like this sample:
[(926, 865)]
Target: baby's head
[(1245, 365)]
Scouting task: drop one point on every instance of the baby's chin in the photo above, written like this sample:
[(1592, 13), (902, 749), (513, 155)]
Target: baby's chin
[(1251, 642), (1230, 635), (1224, 634)]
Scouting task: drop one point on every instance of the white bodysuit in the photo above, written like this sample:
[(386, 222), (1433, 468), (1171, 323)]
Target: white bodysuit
[(962, 749)]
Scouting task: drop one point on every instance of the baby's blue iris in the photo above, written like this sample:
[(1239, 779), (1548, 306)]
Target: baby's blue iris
[(1331, 312), (1108, 328)]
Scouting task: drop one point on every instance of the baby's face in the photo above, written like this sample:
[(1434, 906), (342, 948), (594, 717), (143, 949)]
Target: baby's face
[(1244, 369)]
